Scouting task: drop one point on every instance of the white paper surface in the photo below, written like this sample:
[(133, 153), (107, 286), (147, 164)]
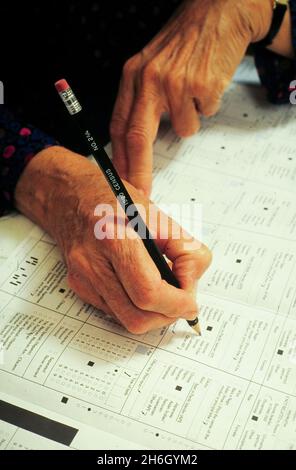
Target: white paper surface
[(232, 388)]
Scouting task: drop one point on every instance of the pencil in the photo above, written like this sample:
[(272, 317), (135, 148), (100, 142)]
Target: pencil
[(100, 155)]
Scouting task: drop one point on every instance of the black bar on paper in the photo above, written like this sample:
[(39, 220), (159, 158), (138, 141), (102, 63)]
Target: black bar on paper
[(37, 424)]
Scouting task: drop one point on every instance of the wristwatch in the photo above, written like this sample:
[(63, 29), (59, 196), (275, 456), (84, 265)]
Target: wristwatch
[(279, 9)]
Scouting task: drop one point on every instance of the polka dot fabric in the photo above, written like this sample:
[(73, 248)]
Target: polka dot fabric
[(18, 144)]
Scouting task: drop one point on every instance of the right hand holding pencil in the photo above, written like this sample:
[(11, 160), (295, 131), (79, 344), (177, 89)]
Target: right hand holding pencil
[(60, 190)]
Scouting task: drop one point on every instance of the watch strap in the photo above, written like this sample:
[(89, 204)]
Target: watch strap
[(279, 10)]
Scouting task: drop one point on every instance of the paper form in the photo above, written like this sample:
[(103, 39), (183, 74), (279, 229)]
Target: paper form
[(97, 386)]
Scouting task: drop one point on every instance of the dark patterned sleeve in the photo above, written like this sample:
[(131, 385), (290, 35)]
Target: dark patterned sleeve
[(277, 72), (18, 144)]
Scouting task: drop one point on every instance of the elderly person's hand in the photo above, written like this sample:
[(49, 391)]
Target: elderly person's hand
[(184, 70), (60, 191)]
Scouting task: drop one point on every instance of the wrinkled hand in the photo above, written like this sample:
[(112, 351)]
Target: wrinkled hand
[(184, 71), (60, 191)]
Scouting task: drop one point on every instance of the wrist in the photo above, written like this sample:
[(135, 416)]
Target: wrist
[(260, 15)]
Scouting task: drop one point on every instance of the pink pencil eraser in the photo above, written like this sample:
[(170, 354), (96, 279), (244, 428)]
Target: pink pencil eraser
[(61, 85)]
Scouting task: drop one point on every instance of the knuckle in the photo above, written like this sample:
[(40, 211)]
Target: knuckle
[(109, 242), (174, 82), (145, 299), (130, 66), (208, 95), (77, 264), (74, 282), (117, 126), (137, 136), (204, 257), (150, 71), (192, 33), (201, 89)]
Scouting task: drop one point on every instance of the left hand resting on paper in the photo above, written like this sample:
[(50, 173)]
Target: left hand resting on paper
[(184, 70)]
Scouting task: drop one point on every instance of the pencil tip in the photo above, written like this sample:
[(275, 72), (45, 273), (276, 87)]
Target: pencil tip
[(196, 328)]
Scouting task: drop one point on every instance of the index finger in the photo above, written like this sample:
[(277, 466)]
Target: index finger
[(190, 257), (120, 117), (141, 133), (142, 282)]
